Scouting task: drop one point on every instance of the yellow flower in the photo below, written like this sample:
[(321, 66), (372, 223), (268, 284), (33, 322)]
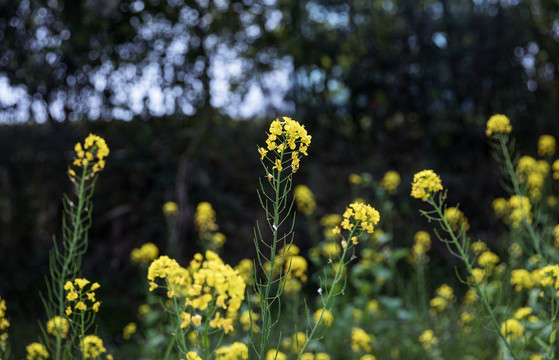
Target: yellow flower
[(425, 183), (521, 279), (283, 137), (92, 347), (170, 208), (327, 317), (81, 306), (197, 319), (58, 326), (523, 312), (500, 207), (355, 179), (368, 357), (193, 355), (129, 330), (428, 339), (273, 354), (245, 320), (390, 181), (498, 124), (94, 151), (521, 210), (456, 219), (146, 253), (361, 215), (36, 351), (360, 340), (304, 199), (512, 329), (204, 218), (546, 145)]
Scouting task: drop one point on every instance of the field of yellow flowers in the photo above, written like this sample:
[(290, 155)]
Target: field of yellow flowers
[(348, 291)]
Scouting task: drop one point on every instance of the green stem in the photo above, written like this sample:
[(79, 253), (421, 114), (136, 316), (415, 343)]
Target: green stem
[(516, 187), (77, 224), (328, 303), (446, 227)]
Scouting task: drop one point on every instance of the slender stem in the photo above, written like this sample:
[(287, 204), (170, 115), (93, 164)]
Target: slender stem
[(328, 302), (476, 284), (516, 186)]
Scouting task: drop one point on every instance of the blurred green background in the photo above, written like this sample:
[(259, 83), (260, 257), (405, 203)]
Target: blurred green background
[(183, 91)]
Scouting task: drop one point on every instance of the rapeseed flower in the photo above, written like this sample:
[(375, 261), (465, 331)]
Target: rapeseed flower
[(93, 152), (204, 218), (360, 340), (244, 268), (274, 354), (456, 219), (428, 339), (304, 199), (245, 320), (76, 291), (317, 356), (4, 323), (58, 326), (521, 279), (546, 145), (146, 253), (36, 351), (355, 179), (422, 244), (512, 329), (555, 168), (327, 317), (235, 351), (329, 222), (390, 181), (521, 210), (286, 137), (361, 216), (193, 355), (170, 208), (129, 330), (498, 124), (425, 183)]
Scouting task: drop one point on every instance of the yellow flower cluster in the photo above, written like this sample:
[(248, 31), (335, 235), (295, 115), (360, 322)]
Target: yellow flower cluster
[(205, 282), (129, 330), (304, 199), (327, 317), (204, 218), (143, 255), (360, 340), (512, 329), (456, 219), (488, 260), (58, 326), (248, 319), (4, 323), (244, 268), (274, 354), (36, 351), (555, 168), (439, 302), (514, 210), (422, 244), (283, 138), (235, 351), (92, 347), (533, 173), (546, 145), (525, 312), (192, 355), (390, 181), (78, 294), (355, 179), (94, 151), (425, 183), (361, 216), (170, 208), (498, 124), (428, 339)]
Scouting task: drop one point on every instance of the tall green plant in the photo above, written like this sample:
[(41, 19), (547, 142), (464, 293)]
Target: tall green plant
[(66, 255)]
